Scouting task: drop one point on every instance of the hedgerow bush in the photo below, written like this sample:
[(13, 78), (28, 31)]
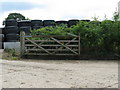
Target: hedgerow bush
[(96, 37), (57, 30)]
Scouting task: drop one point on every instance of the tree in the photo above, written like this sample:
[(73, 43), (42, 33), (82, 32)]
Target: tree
[(16, 16), (115, 16)]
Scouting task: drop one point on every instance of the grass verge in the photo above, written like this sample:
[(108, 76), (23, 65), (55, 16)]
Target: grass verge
[(10, 54)]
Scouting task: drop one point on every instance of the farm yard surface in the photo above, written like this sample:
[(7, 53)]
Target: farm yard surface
[(59, 74)]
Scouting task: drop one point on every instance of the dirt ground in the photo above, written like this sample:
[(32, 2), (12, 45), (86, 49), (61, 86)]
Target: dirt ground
[(59, 74)]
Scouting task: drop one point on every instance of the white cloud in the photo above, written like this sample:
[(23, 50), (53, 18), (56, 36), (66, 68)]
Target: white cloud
[(67, 9)]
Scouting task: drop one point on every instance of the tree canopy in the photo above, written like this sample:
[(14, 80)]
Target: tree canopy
[(16, 16)]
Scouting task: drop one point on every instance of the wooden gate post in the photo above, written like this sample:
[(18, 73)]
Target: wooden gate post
[(79, 43), (22, 43)]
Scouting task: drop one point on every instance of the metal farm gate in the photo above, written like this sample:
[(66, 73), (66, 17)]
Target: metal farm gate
[(49, 44)]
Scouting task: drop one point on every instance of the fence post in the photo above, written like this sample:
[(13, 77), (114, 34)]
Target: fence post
[(79, 43), (22, 43)]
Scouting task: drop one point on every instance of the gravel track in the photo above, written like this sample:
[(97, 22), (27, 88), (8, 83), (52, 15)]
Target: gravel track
[(59, 74)]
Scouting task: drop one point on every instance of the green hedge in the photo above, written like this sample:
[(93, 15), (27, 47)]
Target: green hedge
[(96, 37)]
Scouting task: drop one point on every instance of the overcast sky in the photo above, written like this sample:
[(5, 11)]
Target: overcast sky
[(59, 9)]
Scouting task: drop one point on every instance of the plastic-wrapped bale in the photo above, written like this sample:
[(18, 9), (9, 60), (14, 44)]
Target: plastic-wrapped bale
[(85, 20), (12, 37), (10, 22), (36, 23), (48, 23), (61, 22), (11, 29), (24, 23), (72, 22), (1, 45), (26, 29), (1, 30), (12, 45), (1, 37), (36, 27)]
